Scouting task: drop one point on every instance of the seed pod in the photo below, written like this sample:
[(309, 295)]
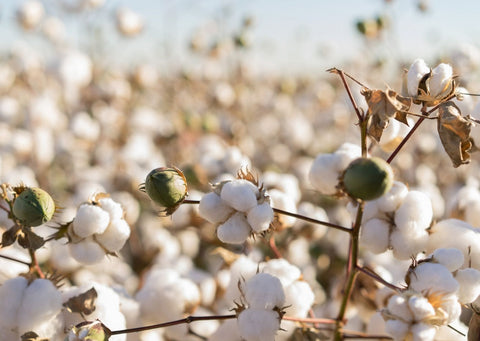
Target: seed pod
[(33, 207), (166, 186), (367, 178), (89, 331)]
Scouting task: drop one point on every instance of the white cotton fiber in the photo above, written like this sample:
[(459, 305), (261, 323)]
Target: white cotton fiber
[(374, 235), (235, 230), (264, 291), (260, 217), (90, 219), (115, 236), (214, 209), (239, 194)]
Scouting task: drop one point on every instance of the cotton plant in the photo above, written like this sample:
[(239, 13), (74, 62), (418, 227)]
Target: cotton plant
[(239, 208)]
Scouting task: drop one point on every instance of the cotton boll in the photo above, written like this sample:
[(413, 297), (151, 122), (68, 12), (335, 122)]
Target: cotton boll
[(258, 324), (398, 306), (472, 213), (280, 200), (428, 276), (242, 268), (376, 324), (323, 175), (30, 14), (213, 209), (235, 230), (469, 281), (423, 332), (375, 234), (407, 245), (440, 79), (397, 329), (11, 295), (346, 153), (283, 270), (391, 200), (87, 251), (299, 298), (228, 330), (114, 209), (129, 23), (414, 212), (240, 194), (451, 258), (115, 236), (260, 217), (41, 302), (417, 70), (90, 219), (264, 291), (420, 307)]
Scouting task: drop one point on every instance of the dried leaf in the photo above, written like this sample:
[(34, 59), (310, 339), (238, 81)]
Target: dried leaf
[(32, 336), (83, 303), (10, 235), (383, 105), (30, 240), (454, 132), (474, 327)]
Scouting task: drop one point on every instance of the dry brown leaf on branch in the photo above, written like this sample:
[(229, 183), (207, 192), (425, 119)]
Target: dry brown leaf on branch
[(454, 132), (383, 105)]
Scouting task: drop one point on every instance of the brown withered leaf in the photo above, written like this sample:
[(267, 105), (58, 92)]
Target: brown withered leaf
[(83, 303), (32, 336), (30, 240), (454, 132), (10, 236), (474, 326), (382, 106)]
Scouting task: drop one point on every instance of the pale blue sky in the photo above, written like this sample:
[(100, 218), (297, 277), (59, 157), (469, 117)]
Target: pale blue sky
[(287, 33)]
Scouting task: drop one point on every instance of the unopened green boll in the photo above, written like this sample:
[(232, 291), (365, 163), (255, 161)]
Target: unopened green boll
[(166, 186), (367, 178), (33, 207)]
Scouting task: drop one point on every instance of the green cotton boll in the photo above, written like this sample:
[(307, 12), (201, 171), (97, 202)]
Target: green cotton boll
[(33, 207), (367, 178), (166, 186)]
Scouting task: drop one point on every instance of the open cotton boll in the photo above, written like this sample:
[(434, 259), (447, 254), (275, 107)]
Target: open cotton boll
[(323, 174), (398, 306), (214, 209), (11, 294), (433, 277), (469, 281), (299, 298), (90, 219), (406, 246), (113, 208), (260, 217), (115, 236), (417, 70), (415, 210), (375, 234), (423, 332), (472, 213), (235, 230), (451, 258), (240, 194), (391, 200), (228, 330), (258, 324), (41, 303), (440, 79), (87, 251), (282, 269), (264, 291), (397, 329), (420, 307), (281, 200), (345, 154)]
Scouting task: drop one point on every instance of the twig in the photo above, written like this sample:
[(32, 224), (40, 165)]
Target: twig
[(15, 260), (187, 320), (347, 88), (376, 277)]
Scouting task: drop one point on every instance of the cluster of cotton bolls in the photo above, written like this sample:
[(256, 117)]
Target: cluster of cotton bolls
[(437, 286), (99, 228), (239, 208), (397, 221), (269, 289)]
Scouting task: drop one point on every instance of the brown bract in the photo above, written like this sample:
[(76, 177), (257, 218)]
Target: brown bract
[(383, 105), (454, 132)]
